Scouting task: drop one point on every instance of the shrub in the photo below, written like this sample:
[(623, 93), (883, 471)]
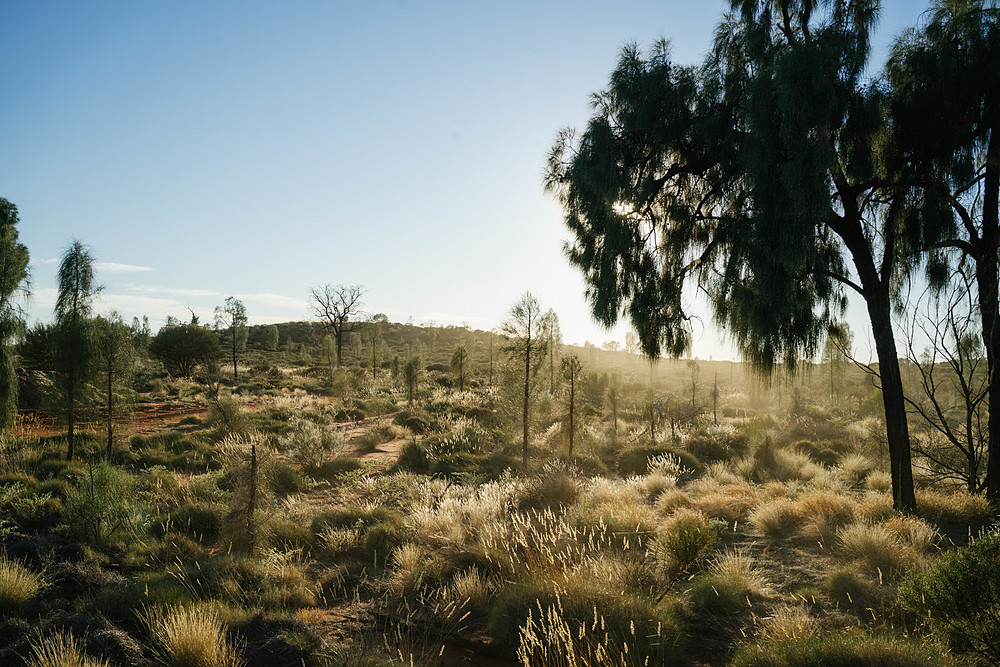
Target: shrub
[(959, 596), (18, 584), (686, 538), (103, 508), (202, 520), (555, 490), (339, 465), (417, 423), (777, 518), (413, 457), (841, 649), (309, 444), (226, 416), (193, 637), (376, 435)]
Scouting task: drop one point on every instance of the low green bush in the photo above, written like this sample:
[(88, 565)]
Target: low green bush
[(413, 457), (339, 465), (959, 598)]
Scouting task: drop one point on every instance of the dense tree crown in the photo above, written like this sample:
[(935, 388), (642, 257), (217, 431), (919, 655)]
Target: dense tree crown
[(13, 276), (945, 105), (183, 347), (762, 175)]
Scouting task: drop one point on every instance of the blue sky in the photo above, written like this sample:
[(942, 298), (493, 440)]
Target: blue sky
[(258, 149)]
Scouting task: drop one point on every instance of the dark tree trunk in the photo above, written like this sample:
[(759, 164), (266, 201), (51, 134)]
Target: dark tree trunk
[(989, 305), (110, 405), (571, 403), (897, 432), (527, 382)]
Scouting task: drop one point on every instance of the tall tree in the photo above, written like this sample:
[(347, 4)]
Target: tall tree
[(114, 361), (761, 176), (946, 105), (338, 307), (571, 371), (271, 337), (526, 348), (372, 333), (412, 371), (72, 335), (13, 282), (553, 339), (183, 347), (233, 317), (458, 360)]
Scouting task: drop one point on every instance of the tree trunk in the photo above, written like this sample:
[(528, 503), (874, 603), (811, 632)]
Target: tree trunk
[(524, 411), (70, 398), (989, 308), (571, 396), (236, 377), (110, 412), (897, 433)]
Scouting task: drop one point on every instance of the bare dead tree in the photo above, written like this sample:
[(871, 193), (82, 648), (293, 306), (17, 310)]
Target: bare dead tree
[(338, 307), (944, 348)]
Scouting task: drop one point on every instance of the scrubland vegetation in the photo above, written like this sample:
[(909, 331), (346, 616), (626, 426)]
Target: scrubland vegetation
[(313, 514)]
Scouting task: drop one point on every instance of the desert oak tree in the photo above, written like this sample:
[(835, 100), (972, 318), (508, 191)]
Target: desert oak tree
[(761, 176)]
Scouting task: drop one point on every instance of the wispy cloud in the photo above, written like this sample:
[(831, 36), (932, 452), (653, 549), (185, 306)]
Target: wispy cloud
[(277, 300), (44, 261), (178, 291), (115, 267)]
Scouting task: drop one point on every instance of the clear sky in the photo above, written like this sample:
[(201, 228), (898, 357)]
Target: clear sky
[(258, 149)]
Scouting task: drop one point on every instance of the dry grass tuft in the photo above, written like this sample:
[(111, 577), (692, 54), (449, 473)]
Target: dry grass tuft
[(789, 623), (61, 650), (877, 549), (671, 500), (193, 637), (879, 480), (824, 512), (740, 569), (955, 507), (913, 531), (777, 518), (18, 584)]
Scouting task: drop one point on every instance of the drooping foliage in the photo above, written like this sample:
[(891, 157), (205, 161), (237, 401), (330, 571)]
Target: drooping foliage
[(946, 104), (13, 278), (73, 354), (760, 176)]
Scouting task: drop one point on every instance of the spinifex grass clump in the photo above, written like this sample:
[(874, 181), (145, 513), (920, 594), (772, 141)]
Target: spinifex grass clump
[(553, 624), (192, 637), (18, 585), (61, 650), (841, 649)]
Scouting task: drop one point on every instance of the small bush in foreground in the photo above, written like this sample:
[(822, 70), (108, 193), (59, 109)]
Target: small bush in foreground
[(844, 649), (959, 597)]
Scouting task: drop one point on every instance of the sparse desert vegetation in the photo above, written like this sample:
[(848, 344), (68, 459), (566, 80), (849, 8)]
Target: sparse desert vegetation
[(303, 517)]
